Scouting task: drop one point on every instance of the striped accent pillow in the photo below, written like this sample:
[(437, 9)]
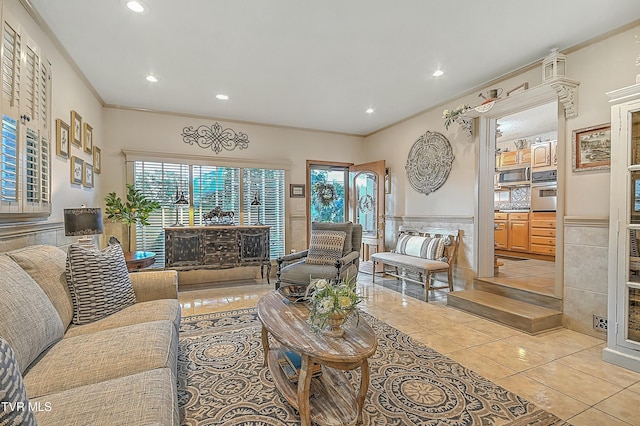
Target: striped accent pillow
[(424, 247), (12, 390), (98, 281), (325, 247)]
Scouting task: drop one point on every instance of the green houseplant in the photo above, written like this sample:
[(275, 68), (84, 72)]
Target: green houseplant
[(136, 209)]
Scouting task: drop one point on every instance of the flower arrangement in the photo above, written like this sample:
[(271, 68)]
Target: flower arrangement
[(454, 114), (327, 301)]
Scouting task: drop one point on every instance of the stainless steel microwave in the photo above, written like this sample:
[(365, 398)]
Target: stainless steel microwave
[(518, 176)]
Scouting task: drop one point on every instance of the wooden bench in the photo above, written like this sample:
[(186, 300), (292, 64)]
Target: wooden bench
[(410, 255)]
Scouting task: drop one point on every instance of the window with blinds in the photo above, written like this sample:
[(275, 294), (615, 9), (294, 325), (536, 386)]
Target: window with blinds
[(230, 188), (9, 162)]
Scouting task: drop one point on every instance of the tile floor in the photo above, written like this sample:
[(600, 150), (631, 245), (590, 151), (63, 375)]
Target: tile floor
[(528, 274), (561, 371)]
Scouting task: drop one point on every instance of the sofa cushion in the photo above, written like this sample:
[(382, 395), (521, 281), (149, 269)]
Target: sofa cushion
[(146, 398), (46, 265), (15, 404), (155, 310), (28, 319), (424, 247), (346, 227), (103, 355), (98, 281), (325, 247)]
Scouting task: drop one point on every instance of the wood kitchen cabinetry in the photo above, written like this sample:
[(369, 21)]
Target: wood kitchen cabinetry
[(512, 158), (543, 154), (543, 233), (511, 231)]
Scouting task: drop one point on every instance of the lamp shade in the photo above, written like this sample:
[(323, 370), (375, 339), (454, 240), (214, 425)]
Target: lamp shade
[(82, 221), (181, 200), (256, 201)]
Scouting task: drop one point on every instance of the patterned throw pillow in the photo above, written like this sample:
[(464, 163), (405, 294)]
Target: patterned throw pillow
[(15, 404), (98, 281), (325, 247), (424, 247)]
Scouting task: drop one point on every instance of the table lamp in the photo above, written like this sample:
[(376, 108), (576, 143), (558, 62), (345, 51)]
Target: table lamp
[(83, 222), (256, 202), (180, 201)]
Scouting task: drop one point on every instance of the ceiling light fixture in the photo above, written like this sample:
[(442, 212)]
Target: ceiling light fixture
[(136, 6), (151, 78), (222, 97), (369, 110), (438, 73)]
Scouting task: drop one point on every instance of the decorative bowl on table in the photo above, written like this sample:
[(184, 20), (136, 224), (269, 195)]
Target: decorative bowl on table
[(294, 292)]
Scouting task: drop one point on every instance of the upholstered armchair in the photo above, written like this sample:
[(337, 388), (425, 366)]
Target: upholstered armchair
[(333, 253)]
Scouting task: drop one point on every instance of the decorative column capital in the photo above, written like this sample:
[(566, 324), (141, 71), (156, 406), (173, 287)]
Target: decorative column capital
[(567, 91)]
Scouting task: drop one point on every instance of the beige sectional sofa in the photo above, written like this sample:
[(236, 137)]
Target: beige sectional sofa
[(118, 370)]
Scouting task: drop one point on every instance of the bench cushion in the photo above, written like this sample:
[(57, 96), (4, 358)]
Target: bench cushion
[(425, 247), (403, 260)]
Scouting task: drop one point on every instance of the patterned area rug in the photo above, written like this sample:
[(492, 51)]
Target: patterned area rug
[(222, 381)]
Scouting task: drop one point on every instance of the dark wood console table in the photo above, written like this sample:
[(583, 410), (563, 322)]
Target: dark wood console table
[(217, 247), (139, 259)]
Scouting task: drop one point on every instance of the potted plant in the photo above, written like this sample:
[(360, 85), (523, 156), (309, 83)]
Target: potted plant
[(332, 304), (136, 209)]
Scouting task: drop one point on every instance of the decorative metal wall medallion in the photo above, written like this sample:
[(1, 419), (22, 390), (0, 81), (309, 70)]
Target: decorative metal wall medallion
[(215, 138), (429, 162)]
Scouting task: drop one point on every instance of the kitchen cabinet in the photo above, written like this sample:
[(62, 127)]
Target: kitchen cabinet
[(544, 154), (623, 334), (500, 231), (513, 158), (511, 231), (543, 233), (518, 231)]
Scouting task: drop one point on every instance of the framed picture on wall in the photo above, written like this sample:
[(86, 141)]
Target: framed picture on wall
[(97, 160), (591, 148), (296, 190), (87, 175), (88, 138), (77, 170), (76, 128), (62, 138)]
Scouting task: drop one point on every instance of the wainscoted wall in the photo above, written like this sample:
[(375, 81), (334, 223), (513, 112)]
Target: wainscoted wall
[(13, 237), (463, 271), (586, 245)]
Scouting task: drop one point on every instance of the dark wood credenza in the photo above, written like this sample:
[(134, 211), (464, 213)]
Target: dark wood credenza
[(217, 247)]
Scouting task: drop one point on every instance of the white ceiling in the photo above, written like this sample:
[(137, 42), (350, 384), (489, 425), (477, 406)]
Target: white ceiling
[(315, 65)]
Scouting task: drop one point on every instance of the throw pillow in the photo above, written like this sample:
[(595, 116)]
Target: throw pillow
[(347, 227), (325, 247), (15, 404), (98, 281), (425, 247)]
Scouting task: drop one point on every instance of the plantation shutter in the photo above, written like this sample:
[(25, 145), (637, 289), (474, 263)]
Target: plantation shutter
[(11, 51), (159, 182), (9, 165), (267, 187), (215, 187)]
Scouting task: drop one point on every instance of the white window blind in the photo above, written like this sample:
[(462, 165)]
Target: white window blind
[(212, 186), (266, 186), (9, 161), (215, 187)]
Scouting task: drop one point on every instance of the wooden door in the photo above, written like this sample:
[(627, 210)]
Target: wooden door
[(541, 154), (367, 205), (519, 235), (500, 234)]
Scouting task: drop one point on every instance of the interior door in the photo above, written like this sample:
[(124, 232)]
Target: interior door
[(367, 205)]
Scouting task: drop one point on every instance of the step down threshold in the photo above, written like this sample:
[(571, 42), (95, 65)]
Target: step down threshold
[(523, 316)]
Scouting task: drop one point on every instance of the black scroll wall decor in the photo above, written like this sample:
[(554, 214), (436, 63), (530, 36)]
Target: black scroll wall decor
[(215, 137)]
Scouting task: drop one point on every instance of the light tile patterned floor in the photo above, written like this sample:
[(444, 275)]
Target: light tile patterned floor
[(561, 371), (528, 274)]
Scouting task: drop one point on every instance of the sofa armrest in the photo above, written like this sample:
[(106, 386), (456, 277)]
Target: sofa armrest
[(293, 256), (345, 261), (153, 285)]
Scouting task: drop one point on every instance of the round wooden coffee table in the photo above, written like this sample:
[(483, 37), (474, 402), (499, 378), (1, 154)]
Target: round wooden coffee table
[(334, 397)]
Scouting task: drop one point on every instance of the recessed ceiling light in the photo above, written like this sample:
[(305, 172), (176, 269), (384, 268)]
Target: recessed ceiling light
[(369, 110), (136, 6), (438, 73), (151, 78), (222, 97)]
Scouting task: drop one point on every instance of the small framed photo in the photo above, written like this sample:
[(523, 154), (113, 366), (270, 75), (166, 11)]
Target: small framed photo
[(77, 170), (524, 86), (87, 175), (76, 128), (591, 148), (296, 190), (97, 160), (88, 138), (62, 138)]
